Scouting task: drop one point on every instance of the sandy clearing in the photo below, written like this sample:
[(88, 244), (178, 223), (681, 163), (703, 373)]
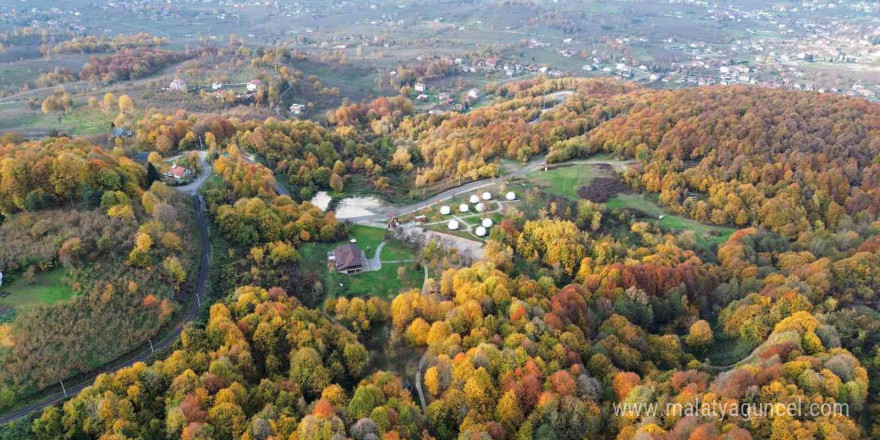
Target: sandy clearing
[(358, 207), (321, 200)]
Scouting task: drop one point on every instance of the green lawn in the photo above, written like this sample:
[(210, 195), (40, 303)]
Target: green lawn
[(47, 288), (705, 233), (383, 283), (396, 251), (564, 181), (368, 238)]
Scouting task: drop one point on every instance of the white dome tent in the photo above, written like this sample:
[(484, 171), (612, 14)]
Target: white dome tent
[(475, 199), (445, 210), (487, 223), (453, 225), (480, 207), (481, 231), (510, 196), (464, 208), (487, 195)]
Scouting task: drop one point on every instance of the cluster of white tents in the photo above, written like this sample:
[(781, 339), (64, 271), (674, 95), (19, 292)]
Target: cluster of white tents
[(483, 229), (480, 205)]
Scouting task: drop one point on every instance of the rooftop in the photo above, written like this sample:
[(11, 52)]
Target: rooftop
[(348, 256)]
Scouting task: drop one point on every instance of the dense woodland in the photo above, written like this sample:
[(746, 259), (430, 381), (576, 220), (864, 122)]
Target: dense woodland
[(97, 44), (263, 229), (131, 64), (575, 308)]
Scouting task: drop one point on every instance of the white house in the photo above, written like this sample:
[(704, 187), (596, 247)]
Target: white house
[(419, 87), (487, 223), (481, 231), (487, 195), (453, 225), (473, 93), (296, 109), (480, 207), (510, 196), (216, 85), (254, 85), (445, 210), (474, 199), (178, 85), (464, 208)]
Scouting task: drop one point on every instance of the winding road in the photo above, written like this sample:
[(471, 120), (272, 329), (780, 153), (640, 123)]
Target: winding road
[(141, 354), (449, 193)]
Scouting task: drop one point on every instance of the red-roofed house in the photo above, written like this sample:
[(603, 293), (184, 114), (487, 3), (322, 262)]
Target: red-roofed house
[(177, 172)]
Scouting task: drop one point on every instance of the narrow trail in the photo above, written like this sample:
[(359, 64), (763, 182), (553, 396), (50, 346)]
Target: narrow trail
[(723, 368)]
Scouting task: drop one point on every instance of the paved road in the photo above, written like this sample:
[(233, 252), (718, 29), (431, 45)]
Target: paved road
[(138, 356), (192, 188), (375, 263), (282, 191), (449, 193), (419, 383)]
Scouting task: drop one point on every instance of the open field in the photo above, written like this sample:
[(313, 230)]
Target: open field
[(565, 180), (638, 202), (47, 288)]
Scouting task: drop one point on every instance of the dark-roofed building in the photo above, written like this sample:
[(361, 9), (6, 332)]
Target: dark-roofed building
[(349, 259), (122, 132)]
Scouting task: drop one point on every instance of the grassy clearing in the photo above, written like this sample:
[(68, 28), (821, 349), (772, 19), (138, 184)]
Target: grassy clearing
[(727, 351), (368, 238), (564, 181), (47, 288), (82, 121), (397, 251), (706, 234), (384, 283)]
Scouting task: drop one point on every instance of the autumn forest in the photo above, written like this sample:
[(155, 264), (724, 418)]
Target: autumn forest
[(727, 253)]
